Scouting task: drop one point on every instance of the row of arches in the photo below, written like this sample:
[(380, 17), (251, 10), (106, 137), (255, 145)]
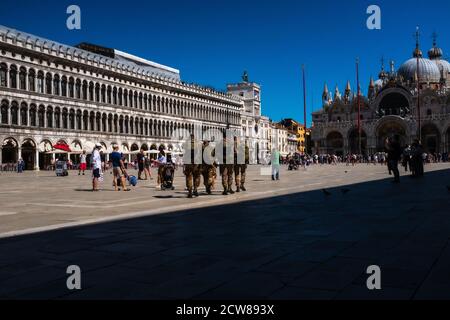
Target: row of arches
[(55, 117), (432, 139), (37, 154), (29, 79)]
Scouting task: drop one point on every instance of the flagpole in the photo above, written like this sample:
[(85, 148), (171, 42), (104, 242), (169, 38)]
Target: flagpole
[(418, 84), (359, 106), (304, 108)]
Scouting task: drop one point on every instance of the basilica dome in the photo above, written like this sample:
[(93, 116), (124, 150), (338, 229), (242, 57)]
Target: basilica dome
[(428, 70)]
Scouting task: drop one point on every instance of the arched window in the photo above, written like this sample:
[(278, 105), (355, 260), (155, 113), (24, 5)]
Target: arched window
[(103, 94), (23, 79), (3, 73), (56, 85), (31, 81), (65, 117), (120, 96), (14, 113), (72, 119), (91, 91), (33, 115), (23, 114), (78, 89), (109, 95), (50, 117), (64, 86), (48, 83), (40, 82), (57, 118), (71, 88), (97, 92), (13, 77), (4, 112), (114, 97), (429, 112), (41, 116), (85, 90)]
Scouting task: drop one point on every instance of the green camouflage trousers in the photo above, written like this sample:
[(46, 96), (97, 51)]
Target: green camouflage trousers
[(193, 174), (239, 174), (209, 175), (226, 171)]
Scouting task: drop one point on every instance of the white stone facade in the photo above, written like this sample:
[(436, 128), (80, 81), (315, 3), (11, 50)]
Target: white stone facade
[(51, 92)]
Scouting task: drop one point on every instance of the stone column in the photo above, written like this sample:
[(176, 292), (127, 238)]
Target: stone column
[(1, 155), (19, 153), (36, 160)]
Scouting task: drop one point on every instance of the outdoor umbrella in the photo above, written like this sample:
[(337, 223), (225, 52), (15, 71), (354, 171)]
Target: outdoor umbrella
[(62, 146)]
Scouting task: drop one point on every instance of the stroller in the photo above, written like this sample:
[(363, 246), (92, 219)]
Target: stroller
[(168, 172), (61, 169)]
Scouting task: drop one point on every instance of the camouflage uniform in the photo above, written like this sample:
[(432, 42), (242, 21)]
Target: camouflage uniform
[(240, 169), (209, 170), (226, 171), (193, 173)]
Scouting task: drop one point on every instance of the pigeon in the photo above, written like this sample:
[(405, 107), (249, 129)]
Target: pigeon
[(326, 192), (346, 171), (345, 191)]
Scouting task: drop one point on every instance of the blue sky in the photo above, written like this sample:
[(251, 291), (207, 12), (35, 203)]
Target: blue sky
[(212, 42)]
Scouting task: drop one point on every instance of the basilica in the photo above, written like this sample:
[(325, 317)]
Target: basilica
[(411, 102), (55, 94)]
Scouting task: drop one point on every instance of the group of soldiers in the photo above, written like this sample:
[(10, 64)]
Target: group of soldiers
[(230, 166)]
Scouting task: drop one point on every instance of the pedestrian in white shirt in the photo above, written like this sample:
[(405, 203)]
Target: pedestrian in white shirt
[(96, 166)]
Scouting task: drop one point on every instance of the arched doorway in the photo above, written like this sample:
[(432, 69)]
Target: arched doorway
[(395, 104), (335, 143), (353, 139), (10, 151), (45, 158), (431, 138), (153, 156), (134, 147), (390, 129), (29, 154)]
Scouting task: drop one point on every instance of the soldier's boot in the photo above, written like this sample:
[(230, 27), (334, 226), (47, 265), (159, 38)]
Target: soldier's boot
[(243, 188), (238, 189), (190, 194), (208, 189), (196, 193), (225, 192), (230, 190)]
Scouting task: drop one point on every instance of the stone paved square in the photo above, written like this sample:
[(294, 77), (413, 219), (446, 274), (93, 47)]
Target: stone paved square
[(279, 240)]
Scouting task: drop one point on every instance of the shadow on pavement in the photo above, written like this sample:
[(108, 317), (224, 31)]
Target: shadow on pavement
[(298, 246)]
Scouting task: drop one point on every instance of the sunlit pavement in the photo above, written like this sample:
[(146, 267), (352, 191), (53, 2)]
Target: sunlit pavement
[(279, 240)]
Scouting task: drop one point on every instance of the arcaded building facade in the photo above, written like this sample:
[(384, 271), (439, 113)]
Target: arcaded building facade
[(390, 108), (79, 96)]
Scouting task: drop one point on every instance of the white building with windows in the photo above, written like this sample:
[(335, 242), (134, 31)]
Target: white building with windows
[(52, 93), (255, 126)]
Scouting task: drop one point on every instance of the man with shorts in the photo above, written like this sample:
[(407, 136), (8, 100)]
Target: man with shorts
[(83, 163), (96, 166), (119, 172)]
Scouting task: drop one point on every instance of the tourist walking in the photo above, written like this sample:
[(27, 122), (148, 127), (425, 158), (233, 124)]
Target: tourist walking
[(119, 172), (394, 153), (96, 167), (275, 161)]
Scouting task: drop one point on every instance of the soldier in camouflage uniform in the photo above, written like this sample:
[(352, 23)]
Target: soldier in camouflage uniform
[(209, 169), (226, 169), (192, 171), (240, 164)]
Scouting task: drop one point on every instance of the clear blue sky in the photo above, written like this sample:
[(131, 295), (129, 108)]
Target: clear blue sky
[(212, 42)]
